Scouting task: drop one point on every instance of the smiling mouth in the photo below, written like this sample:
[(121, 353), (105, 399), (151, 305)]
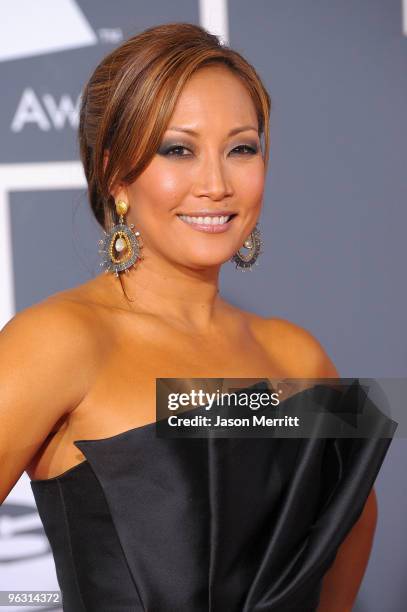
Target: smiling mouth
[(212, 220)]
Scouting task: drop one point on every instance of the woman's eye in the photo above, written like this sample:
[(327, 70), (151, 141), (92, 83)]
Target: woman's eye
[(173, 151), (248, 149)]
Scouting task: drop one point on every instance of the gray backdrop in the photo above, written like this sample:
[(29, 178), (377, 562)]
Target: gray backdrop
[(333, 222)]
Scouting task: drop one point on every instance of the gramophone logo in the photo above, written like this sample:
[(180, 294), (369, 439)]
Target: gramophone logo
[(21, 534), (47, 26), (26, 562)]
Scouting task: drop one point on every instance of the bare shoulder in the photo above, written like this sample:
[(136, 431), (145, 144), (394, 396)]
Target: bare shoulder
[(61, 323), (306, 355), (303, 355), (48, 359), (76, 307), (54, 317)]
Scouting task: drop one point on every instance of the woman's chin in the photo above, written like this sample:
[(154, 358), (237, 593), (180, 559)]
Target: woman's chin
[(205, 263)]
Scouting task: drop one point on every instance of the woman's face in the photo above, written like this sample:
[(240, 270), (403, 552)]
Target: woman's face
[(218, 169)]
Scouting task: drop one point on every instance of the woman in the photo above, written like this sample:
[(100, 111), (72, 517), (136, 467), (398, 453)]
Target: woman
[(170, 134)]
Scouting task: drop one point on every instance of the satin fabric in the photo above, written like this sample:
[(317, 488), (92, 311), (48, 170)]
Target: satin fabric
[(205, 524)]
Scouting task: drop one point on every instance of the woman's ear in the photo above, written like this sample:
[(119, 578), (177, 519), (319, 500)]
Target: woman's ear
[(119, 193)]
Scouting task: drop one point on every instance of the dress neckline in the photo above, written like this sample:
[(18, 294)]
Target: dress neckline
[(77, 466)]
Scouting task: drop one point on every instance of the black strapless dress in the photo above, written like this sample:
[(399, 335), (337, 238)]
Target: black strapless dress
[(204, 524)]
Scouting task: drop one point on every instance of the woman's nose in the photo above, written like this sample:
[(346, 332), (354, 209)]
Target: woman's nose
[(212, 180)]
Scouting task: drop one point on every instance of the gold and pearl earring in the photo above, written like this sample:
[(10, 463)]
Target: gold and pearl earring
[(254, 245), (120, 247)]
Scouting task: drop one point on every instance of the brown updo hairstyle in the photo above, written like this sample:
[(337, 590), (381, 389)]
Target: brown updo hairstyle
[(128, 101)]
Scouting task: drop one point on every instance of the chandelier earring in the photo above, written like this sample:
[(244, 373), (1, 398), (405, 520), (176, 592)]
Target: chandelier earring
[(254, 246), (121, 246)]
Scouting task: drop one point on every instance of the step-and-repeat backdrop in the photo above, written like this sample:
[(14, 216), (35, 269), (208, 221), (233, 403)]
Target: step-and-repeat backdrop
[(333, 222)]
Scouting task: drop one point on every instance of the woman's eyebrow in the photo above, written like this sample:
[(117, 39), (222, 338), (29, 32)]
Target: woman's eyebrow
[(233, 131)]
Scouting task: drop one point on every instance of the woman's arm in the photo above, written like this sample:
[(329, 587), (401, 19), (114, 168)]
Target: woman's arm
[(343, 579), (308, 359), (45, 354)]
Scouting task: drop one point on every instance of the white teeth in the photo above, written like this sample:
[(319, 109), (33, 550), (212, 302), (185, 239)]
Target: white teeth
[(205, 220)]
